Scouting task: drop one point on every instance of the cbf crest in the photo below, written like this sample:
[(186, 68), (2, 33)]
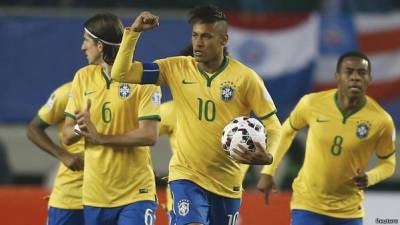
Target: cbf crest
[(183, 207), (227, 90), (124, 90), (363, 128)]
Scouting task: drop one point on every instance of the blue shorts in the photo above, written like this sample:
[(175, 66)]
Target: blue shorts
[(303, 217), (57, 216), (193, 204), (138, 213)]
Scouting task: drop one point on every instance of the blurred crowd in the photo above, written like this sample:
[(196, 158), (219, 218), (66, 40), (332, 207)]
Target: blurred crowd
[(243, 5)]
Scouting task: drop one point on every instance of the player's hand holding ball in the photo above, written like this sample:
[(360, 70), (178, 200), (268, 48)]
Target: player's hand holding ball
[(243, 140)]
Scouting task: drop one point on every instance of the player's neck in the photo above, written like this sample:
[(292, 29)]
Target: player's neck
[(212, 65), (349, 104), (106, 68)]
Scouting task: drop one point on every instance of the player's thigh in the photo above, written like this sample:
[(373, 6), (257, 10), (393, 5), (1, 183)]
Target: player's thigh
[(304, 217), (138, 213), (57, 216), (190, 203), (101, 216), (340, 221), (224, 211)]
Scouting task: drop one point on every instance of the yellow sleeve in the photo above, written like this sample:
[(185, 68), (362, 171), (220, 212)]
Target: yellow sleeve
[(259, 98), (53, 111), (123, 69), (273, 130), (296, 121), (298, 117), (385, 151), (75, 98), (383, 170), (150, 101), (286, 138), (386, 144)]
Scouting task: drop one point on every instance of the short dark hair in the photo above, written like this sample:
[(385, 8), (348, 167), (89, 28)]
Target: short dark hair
[(352, 54), (107, 27), (206, 14)]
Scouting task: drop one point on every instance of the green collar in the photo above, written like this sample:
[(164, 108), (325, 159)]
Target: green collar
[(346, 115), (214, 75), (106, 78)]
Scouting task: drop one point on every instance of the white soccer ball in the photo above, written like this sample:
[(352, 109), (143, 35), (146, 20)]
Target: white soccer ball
[(245, 131)]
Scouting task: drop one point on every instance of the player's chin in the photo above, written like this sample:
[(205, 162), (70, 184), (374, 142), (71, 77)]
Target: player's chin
[(199, 58)]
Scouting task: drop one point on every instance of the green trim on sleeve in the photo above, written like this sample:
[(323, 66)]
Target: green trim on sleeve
[(291, 125), (42, 122), (386, 156), (69, 115), (152, 117), (268, 115)]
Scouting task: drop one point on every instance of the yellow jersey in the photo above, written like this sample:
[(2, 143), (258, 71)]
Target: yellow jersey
[(205, 103), (168, 127), (115, 176), (338, 144), (67, 189), (168, 122)]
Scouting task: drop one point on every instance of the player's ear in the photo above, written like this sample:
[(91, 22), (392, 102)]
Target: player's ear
[(224, 39), (337, 77), (100, 46)]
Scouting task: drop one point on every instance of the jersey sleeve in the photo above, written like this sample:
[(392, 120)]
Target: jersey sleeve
[(75, 98), (259, 98), (297, 119), (53, 111), (149, 103), (126, 71), (386, 144)]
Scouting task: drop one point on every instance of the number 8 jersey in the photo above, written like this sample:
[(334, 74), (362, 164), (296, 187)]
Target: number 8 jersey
[(338, 144)]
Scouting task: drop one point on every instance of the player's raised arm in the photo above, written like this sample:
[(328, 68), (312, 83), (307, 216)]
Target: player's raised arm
[(123, 69)]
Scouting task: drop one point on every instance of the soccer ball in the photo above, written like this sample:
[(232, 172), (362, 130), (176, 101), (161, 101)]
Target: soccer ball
[(245, 131)]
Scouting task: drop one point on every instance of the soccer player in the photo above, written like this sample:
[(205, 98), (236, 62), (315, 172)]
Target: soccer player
[(65, 203), (209, 90), (345, 127), (117, 122)]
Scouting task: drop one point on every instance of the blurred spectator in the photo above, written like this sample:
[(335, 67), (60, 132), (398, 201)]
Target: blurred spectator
[(242, 5), (6, 176)]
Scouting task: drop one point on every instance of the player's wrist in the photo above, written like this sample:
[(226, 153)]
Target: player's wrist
[(77, 130), (134, 32)]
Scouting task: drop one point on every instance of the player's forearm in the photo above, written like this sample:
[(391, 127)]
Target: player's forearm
[(273, 128), (383, 170), (286, 137), (138, 137), (40, 138), (69, 135), (123, 68)]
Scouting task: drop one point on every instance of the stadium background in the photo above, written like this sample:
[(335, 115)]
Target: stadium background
[(293, 45)]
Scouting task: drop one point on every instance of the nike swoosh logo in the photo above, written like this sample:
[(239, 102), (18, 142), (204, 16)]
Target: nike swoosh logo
[(88, 92), (188, 82), (321, 120)]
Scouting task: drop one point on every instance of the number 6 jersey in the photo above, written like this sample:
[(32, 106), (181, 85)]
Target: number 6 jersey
[(115, 176)]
